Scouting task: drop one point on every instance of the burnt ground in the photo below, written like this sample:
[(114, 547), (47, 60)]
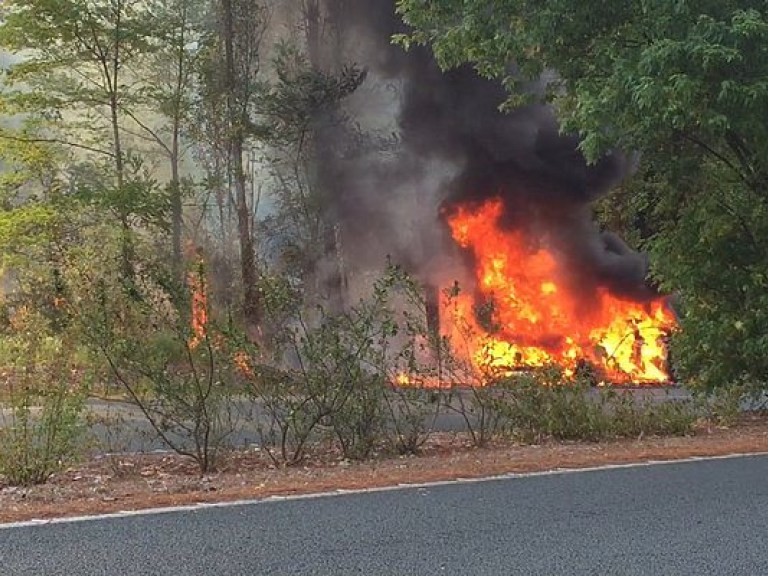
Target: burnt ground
[(116, 483)]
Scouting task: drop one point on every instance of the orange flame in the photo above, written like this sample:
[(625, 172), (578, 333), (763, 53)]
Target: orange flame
[(243, 363), (198, 288), (534, 320)]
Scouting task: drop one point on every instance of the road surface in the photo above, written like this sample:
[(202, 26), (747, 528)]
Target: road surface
[(701, 518)]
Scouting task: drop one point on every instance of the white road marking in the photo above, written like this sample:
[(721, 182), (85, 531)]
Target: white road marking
[(346, 492)]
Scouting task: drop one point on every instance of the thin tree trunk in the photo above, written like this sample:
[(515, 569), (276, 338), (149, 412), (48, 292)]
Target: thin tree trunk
[(177, 213), (312, 16), (247, 254), (236, 142), (127, 250), (333, 281)]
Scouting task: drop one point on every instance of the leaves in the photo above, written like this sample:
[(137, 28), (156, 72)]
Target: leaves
[(633, 76)]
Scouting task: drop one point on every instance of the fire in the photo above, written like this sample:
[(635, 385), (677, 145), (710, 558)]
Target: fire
[(530, 318), (200, 318), (199, 292)]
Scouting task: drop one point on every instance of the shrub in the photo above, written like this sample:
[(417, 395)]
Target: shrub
[(333, 373), (43, 400), (537, 406), (169, 358)]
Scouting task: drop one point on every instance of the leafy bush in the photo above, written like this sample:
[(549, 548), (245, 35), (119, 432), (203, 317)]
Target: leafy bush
[(42, 400), (333, 374), (538, 406), (712, 252), (724, 406), (173, 364), (412, 414)]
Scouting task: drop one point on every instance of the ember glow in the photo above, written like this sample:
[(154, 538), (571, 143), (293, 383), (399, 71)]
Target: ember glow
[(529, 318)]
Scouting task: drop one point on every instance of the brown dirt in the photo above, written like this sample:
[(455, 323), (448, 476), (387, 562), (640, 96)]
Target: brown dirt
[(113, 484)]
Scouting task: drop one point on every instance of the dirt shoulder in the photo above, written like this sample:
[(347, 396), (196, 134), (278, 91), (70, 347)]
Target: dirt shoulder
[(113, 484)]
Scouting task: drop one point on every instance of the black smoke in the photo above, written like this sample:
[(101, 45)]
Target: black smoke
[(455, 146)]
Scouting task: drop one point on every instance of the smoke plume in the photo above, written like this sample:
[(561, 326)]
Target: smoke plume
[(454, 145)]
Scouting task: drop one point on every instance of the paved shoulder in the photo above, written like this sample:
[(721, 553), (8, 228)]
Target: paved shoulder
[(701, 518)]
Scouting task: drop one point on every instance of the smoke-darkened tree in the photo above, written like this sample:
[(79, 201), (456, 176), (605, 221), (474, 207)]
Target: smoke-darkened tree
[(301, 112)]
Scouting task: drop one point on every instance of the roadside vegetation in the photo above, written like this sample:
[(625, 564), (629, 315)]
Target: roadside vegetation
[(138, 264)]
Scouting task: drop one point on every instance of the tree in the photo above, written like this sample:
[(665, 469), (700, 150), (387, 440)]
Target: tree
[(304, 126), (714, 252), (170, 71), (644, 73), (231, 83), (73, 75)]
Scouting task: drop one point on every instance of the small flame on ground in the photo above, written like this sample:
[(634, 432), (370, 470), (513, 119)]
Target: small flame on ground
[(198, 287)]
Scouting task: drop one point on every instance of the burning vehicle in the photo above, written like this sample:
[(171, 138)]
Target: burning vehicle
[(500, 201), (535, 316)]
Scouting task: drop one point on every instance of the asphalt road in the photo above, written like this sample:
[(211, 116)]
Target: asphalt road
[(702, 518)]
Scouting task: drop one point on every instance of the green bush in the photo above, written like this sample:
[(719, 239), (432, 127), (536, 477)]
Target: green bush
[(179, 375), (723, 406), (538, 406), (412, 414), (323, 374), (42, 401)]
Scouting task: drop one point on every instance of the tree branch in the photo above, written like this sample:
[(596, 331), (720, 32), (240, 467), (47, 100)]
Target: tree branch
[(57, 141), (152, 134), (742, 223), (720, 156)]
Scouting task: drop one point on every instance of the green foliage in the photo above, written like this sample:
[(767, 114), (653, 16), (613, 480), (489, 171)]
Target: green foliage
[(179, 373), (30, 202), (412, 415), (41, 397), (42, 233), (302, 97), (60, 36), (79, 81), (630, 76), (334, 373), (535, 407), (139, 195), (294, 116), (714, 255), (725, 406), (68, 77), (25, 230)]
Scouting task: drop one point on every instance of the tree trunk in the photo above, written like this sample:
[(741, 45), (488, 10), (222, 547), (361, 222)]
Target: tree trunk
[(332, 284), (176, 221), (177, 214), (113, 77), (237, 111), (251, 303), (126, 248), (177, 211)]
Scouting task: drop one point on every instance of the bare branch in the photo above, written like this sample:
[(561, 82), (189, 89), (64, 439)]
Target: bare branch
[(152, 134), (58, 141)]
